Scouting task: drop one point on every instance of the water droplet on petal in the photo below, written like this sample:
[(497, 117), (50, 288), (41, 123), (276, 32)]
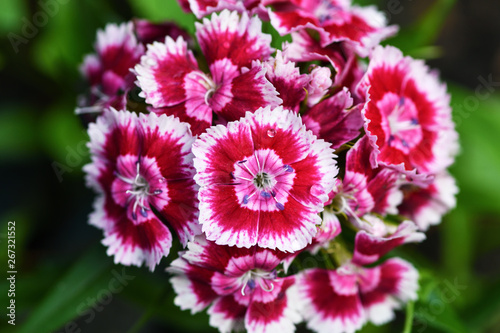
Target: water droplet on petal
[(271, 133), (280, 206), (317, 190)]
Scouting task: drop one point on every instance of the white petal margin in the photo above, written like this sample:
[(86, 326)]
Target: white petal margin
[(286, 323), (133, 255), (186, 298), (407, 287)]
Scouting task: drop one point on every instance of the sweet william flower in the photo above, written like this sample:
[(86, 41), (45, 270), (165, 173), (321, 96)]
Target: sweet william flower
[(108, 70), (407, 115), (343, 300), (240, 285), (334, 20), (142, 169), (172, 82), (263, 180), (426, 205)]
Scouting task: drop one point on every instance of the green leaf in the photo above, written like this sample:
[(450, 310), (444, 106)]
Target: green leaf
[(434, 307), (423, 33), (73, 294), (476, 168), (18, 129)]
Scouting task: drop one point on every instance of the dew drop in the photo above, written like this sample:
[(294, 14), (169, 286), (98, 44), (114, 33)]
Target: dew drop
[(317, 190), (271, 133)]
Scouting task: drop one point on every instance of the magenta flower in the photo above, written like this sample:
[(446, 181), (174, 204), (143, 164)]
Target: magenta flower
[(108, 71), (334, 20), (173, 83), (407, 115), (340, 55), (263, 181), (240, 285), (142, 168), (343, 300), (201, 8), (334, 119), (369, 248), (426, 205), (286, 78), (366, 190)]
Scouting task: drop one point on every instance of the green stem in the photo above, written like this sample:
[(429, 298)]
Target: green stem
[(409, 317)]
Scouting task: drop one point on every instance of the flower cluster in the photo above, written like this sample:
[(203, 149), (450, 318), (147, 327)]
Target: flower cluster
[(258, 155)]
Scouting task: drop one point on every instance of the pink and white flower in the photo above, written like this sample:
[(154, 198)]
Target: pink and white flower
[(365, 190), (108, 71), (343, 300), (286, 78), (334, 119), (240, 285), (173, 83), (348, 70), (142, 169), (427, 205), (407, 115), (201, 8), (334, 20), (263, 181), (369, 248)]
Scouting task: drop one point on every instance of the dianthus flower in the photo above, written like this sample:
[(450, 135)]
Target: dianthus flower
[(240, 285), (334, 20), (172, 82), (263, 181), (407, 115), (342, 300), (142, 168), (108, 71)]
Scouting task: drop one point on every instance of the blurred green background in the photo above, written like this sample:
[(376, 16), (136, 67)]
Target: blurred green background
[(63, 273)]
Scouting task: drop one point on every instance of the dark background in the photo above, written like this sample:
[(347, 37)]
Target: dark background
[(61, 265)]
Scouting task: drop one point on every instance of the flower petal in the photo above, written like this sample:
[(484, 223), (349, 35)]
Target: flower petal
[(369, 248)]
